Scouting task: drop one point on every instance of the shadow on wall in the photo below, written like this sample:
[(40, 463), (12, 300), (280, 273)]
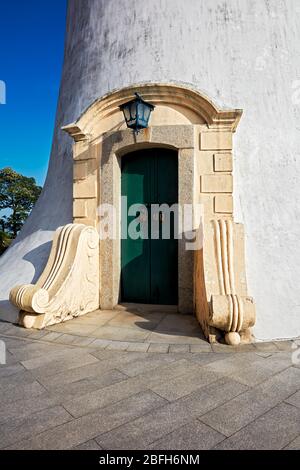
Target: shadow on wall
[(38, 258)]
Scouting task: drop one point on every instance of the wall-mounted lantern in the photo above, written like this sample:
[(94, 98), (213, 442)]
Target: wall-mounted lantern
[(137, 113)]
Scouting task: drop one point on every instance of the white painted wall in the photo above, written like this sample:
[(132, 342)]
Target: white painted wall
[(241, 53)]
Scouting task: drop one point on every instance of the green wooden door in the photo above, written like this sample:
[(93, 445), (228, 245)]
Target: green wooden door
[(150, 265)]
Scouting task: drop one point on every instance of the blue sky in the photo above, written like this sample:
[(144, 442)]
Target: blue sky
[(31, 56)]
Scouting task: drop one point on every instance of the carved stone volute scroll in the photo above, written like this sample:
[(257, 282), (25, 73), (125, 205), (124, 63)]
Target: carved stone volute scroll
[(230, 310), (69, 285)]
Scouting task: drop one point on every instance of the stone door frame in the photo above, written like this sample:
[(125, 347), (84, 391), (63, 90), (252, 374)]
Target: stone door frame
[(189, 122), (114, 146)]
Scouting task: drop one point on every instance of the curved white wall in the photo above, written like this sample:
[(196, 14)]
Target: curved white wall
[(241, 54)]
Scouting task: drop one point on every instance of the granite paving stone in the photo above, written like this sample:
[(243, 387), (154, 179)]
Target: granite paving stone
[(120, 334), (15, 342), (90, 402), (294, 399), (81, 340), (179, 348), (282, 384), (120, 390), (146, 380), (89, 445), (192, 436), (98, 318), (271, 346), (4, 327), (21, 428), (141, 432), (27, 406), (185, 384), (151, 361), (229, 364), (145, 430), (55, 366), (104, 355), (175, 323), (284, 345), (213, 395), (100, 343), (82, 387), (22, 377), (167, 338), (138, 347), (294, 445), (200, 348), (8, 370), (66, 338), (21, 392), (158, 348), (37, 334), (35, 350), (264, 354), (52, 336), (205, 358), (272, 431), (224, 348), (73, 327), (258, 371), (18, 332), (10, 359), (73, 433), (134, 320), (237, 413), (118, 346), (95, 369), (167, 372), (43, 360)]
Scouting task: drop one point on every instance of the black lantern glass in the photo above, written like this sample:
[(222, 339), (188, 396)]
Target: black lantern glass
[(137, 113)]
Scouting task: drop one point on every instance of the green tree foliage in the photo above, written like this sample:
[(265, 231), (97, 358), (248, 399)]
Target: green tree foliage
[(18, 195), (5, 241)]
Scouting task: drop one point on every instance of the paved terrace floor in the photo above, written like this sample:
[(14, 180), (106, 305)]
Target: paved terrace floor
[(145, 380)]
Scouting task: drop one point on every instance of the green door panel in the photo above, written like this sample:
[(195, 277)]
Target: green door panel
[(150, 266), (135, 253)]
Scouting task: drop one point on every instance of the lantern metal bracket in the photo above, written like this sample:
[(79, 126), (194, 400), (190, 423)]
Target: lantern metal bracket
[(137, 113)]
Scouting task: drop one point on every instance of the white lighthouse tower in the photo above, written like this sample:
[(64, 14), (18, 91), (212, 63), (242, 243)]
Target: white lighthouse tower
[(224, 77)]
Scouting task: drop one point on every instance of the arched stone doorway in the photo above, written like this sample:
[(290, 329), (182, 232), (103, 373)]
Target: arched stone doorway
[(211, 278)]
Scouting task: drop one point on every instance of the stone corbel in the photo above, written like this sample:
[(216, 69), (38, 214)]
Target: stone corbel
[(234, 315), (231, 310), (223, 306), (69, 285), (75, 132)]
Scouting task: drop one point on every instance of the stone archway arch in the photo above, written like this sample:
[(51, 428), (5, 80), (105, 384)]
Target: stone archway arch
[(212, 279)]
